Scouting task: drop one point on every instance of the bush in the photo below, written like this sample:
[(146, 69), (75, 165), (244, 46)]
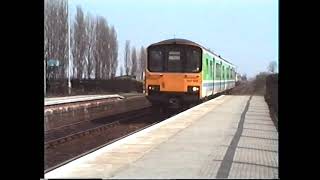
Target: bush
[(271, 95)]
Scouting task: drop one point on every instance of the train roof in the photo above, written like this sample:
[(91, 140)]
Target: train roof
[(186, 42), (176, 41)]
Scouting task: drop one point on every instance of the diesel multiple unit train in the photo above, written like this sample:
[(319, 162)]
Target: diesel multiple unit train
[(180, 71)]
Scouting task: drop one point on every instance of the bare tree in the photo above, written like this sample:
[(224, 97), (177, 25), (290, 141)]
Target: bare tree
[(96, 50), (244, 77), (134, 62), (106, 52), (121, 71), (63, 38), (102, 54), (138, 65), (55, 34), (143, 61), (127, 60), (114, 51), (79, 44), (48, 31), (272, 66), (91, 33), (94, 44)]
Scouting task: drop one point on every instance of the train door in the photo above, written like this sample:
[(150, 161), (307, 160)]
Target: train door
[(212, 73), (218, 76), (216, 70), (224, 77), (227, 77), (207, 77), (221, 74)]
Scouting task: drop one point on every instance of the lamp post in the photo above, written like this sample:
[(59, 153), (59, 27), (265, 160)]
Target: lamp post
[(69, 67), (45, 79)]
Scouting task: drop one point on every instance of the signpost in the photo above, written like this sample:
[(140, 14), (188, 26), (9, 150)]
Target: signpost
[(53, 63), (52, 66)]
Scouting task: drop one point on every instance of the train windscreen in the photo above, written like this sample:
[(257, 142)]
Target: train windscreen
[(157, 60), (174, 58)]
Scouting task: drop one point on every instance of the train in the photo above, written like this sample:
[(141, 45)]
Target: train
[(181, 72)]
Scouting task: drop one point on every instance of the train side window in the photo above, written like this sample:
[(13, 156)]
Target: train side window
[(211, 70), (232, 74), (227, 73), (207, 64), (220, 71), (207, 67), (223, 71)]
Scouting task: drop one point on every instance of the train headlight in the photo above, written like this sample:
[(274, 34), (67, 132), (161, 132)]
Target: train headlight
[(154, 88), (193, 89)]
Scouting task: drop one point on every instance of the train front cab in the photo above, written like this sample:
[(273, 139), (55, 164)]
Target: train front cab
[(173, 75), (173, 89)]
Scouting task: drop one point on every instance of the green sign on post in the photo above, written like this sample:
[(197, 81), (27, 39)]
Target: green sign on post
[(53, 62)]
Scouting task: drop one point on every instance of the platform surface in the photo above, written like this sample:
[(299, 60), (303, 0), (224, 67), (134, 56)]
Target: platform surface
[(227, 137)]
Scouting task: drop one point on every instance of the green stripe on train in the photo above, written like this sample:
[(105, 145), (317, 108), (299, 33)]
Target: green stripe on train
[(209, 67)]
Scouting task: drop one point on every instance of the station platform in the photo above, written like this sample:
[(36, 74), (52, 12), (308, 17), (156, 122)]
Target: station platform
[(71, 99), (64, 111), (227, 137)]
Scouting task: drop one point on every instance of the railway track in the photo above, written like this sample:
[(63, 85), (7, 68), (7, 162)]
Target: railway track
[(55, 142), (69, 132), (64, 147), (97, 148)]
